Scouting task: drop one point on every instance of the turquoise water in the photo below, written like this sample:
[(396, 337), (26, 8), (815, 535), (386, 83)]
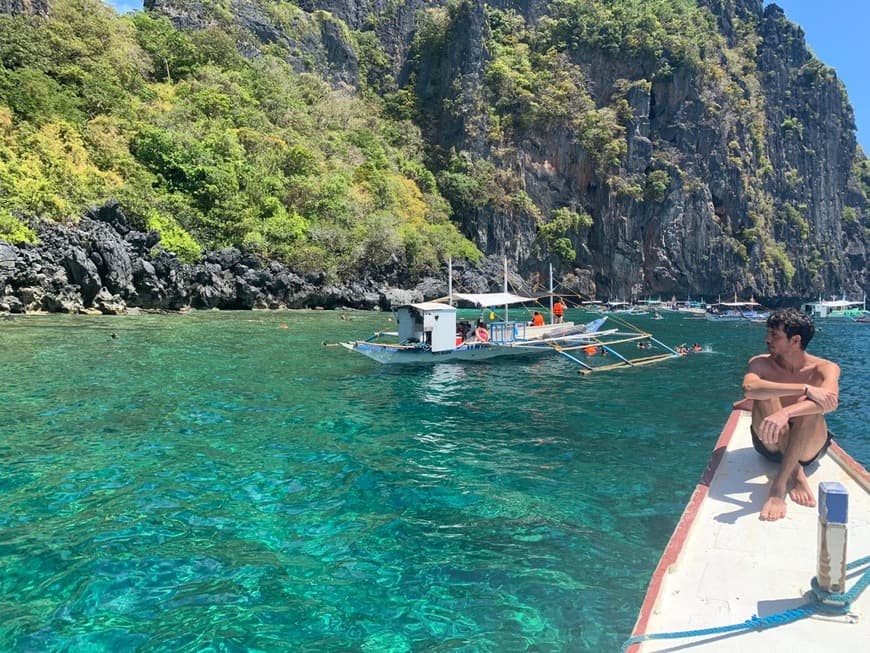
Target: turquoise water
[(223, 482)]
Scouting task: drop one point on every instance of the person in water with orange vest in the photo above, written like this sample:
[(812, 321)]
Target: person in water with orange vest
[(558, 311)]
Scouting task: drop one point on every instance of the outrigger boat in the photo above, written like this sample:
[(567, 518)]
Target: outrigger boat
[(736, 312), (428, 332), (836, 308), (729, 582), (620, 306), (694, 307)]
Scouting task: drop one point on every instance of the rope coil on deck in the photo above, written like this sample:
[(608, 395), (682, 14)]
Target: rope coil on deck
[(823, 602)]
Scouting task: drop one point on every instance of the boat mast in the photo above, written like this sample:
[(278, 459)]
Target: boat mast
[(450, 280), (552, 317), (505, 289)]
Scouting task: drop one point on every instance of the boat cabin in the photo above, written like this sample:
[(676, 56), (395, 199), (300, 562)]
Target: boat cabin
[(431, 323)]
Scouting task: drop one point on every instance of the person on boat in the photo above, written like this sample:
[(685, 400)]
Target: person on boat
[(463, 329), (558, 311), (791, 392), (537, 319)]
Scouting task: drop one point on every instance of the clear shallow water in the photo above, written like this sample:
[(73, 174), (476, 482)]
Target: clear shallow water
[(222, 482)]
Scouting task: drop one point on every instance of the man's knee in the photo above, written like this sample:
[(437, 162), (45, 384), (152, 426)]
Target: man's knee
[(808, 425), (761, 408)]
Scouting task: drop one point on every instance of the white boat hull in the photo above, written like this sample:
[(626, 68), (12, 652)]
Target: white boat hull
[(723, 565), (737, 317), (392, 354)]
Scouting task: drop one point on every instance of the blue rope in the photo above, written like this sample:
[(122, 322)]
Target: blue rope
[(823, 596), (819, 604)]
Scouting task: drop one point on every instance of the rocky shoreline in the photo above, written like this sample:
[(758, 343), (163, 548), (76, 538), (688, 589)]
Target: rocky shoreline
[(102, 265)]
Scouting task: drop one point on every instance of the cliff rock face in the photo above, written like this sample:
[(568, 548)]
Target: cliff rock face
[(25, 7), (812, 151), (314, 42), (734, 171)]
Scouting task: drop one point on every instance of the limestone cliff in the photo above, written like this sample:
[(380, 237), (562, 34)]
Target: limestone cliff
[(25, 7), (719, 168)]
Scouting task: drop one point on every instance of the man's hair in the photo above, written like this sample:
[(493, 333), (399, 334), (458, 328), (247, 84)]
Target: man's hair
[(794, 323)]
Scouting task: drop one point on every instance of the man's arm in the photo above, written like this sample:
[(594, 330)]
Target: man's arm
[(827, 394), (822, 398), (816, 399), (755, 386)]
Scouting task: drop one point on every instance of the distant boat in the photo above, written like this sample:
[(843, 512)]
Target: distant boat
[(730, 583), (736, 311), (619, 306), (864, 317), (834, 308), (689, 306), (650, 304)]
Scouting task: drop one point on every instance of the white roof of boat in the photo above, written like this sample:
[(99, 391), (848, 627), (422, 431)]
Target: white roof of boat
[(833, 303), (736, 304), (723, 565), (430, 306), (493, 298)]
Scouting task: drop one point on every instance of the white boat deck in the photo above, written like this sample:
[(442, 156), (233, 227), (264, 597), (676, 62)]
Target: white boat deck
[(723, 565)]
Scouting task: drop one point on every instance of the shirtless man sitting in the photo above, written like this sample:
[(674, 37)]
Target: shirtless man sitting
[(792, 390)]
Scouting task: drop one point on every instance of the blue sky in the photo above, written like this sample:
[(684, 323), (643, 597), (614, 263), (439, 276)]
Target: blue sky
[(123, 6), (835, 31)]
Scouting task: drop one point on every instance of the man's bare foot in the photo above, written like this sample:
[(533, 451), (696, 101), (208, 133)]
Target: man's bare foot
[(801, 492), (773, 508)]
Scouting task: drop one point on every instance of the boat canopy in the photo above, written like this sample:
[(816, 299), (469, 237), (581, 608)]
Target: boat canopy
[(736, 304), (840, 303), (488, 299), (432, 306)]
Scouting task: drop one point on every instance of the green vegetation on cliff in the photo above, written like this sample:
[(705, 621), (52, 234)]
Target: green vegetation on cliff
[(666, 144), (207, 147)]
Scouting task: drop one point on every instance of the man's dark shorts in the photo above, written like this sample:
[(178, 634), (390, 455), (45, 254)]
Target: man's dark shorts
[(776, 456)]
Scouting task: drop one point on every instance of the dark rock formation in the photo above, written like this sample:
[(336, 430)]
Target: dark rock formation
[(25, 7), (103, 265)]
